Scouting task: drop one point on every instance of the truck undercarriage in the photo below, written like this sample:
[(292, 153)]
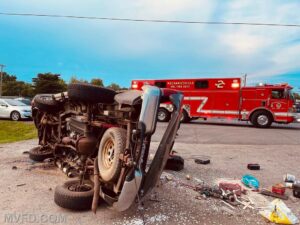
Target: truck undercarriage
[(103, 138)]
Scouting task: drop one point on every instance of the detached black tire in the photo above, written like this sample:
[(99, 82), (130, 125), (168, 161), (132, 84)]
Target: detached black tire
[(175, 163), (185, 117), (66, 195), (90, 93), (111, 146), (262, 119), (163, 115), (39, 154), (46, 103)]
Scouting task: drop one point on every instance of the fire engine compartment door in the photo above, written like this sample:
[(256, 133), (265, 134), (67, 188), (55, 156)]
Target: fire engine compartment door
[(279, 104)]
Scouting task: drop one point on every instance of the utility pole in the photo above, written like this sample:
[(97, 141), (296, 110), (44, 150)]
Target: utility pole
[(1, 78)]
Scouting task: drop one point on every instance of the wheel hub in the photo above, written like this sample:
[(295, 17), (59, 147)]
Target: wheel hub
[(262, 120), (108, 154), (161, 115)]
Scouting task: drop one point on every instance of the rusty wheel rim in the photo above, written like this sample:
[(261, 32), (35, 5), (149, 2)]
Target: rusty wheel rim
[(108, 153)]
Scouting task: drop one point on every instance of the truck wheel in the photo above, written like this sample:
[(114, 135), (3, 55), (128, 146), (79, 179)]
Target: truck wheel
[(90, 93), (261, 119), (185, 117), (39, 154), (72, 195), (46, 103), (111, 146), (163, 115), (15, 116)]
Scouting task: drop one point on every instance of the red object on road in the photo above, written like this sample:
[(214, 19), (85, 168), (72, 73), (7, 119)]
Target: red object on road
[(228, 98), (278, 189), (231, 187)]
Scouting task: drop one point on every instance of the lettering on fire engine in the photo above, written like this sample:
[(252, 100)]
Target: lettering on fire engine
[(220, 84), (180, 84)]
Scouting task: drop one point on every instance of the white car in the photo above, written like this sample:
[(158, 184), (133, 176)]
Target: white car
[(14, 109)]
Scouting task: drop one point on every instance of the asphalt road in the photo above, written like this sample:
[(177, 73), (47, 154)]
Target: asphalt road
[(233, 132), (26, 192)]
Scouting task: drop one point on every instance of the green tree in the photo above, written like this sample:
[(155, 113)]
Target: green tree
[(13, 87), (97, 81), (75, 80), (48, 83), (114, 86)]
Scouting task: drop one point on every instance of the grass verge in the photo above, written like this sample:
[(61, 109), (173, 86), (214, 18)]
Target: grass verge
[(16, 131)]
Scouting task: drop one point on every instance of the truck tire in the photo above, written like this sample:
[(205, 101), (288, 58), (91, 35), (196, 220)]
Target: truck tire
[(46, 103), (90, 93), (112, 144), (261, 119), (15, 116), (175, 163), (163, 115), (39, 154), (72, 195), (185, 117)]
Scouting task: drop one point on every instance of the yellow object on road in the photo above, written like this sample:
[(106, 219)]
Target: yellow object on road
[(278, 212)]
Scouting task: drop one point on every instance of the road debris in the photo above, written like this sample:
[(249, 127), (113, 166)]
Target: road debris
[(289, 178), (278, 189), (250, 181), (272, 194), (296, 189), (20, 185), (14, 168), (253, 166), (203, 161), (278, 212)]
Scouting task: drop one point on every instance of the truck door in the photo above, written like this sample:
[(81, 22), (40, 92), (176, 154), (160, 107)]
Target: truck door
[(279, 104)]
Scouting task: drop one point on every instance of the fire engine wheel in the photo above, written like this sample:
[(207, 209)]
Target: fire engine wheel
[(111, 146), (75, 196), (261, 119), (90, 93), (185, 117), (163, 115)]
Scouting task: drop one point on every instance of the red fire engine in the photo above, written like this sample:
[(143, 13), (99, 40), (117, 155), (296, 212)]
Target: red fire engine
[(228, 98)]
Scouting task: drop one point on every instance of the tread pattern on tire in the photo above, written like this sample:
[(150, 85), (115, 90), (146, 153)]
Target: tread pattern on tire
[(90, 93), (47, 104), (67, 199), (38, 156), (119, 136)]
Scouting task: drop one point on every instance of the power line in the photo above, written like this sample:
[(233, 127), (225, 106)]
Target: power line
[(150, 20)]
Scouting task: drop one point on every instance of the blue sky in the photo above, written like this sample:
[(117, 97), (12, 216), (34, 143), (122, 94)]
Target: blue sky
[(122, 51)]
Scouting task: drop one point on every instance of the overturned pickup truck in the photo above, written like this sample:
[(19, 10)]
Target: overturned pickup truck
[(103, 138)]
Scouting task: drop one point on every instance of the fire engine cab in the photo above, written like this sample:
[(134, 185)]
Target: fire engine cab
[(228, 98)]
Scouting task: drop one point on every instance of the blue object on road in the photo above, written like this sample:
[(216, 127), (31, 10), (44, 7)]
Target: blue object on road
[(250, 181)]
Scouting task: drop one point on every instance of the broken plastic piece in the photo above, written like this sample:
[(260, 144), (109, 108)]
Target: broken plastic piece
[(250, 181), (278, 212)]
